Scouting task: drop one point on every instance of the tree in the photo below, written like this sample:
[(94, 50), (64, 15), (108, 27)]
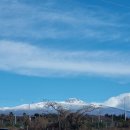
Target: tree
[(25, 120), (11, 118), (61, 112), (69, 119), (76, 119)]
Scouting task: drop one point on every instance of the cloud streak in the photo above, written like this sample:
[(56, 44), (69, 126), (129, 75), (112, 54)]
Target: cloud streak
[(119, 101), (22, 20), (27, 59)]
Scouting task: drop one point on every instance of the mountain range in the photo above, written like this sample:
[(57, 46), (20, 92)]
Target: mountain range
[(114, 105)]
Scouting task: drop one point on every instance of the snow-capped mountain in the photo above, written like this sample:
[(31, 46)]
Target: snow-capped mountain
[(41, 107), (75, 101), (115, 105)]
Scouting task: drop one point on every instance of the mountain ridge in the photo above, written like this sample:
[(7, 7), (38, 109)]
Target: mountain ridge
[(114, 105)]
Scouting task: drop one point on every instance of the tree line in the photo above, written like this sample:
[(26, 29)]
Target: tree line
[(63, 119)]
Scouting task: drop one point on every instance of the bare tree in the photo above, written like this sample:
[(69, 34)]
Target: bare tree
[(11, 118), (61, 111), (76, 118), (67, 118)]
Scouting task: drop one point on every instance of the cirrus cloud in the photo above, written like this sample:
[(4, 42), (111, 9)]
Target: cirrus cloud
[(28, 59)]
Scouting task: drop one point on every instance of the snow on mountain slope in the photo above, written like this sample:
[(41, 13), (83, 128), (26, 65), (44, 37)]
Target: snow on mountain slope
[(75, 101), (41, 107), (114, 105)]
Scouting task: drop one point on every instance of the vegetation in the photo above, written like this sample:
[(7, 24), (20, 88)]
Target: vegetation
[(63, 119)]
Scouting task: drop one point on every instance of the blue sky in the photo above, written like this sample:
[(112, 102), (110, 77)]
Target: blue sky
[(58, 49)]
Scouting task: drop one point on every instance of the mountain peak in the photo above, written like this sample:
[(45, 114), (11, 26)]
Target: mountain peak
[(74, 100)]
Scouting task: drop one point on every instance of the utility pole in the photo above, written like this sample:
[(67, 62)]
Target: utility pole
[(29, 112), (112, 120), (99, 118), (125, 108), (15, 119)]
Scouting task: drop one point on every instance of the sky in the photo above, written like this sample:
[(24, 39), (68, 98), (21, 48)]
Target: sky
[(60, 49)]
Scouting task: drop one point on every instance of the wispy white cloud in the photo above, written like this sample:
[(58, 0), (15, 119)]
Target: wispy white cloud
[(20, 19), (27, 59), (119, 101)]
